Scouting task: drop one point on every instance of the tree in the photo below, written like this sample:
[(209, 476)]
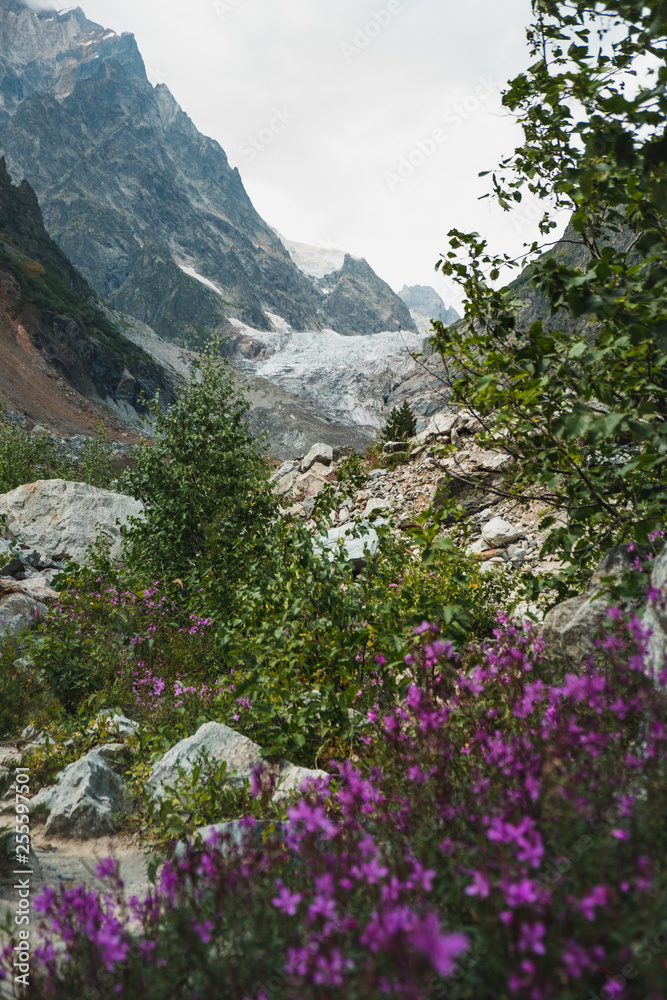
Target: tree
[(401, 425), (578, 397), (203, 479)]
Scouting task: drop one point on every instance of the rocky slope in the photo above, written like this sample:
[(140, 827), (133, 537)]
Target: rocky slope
[(64, 360), (147, 207)]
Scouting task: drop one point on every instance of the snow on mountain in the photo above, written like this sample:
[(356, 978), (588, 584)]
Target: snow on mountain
[(317, 262)]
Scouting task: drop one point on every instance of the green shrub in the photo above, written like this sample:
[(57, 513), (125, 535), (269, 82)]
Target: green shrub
[(27, 457), (402, 424), (204, 481)]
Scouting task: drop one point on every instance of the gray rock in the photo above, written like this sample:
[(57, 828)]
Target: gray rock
[(312, 482), (321, 453), (571, 628), (86, 800), (498, 533), (375, 505), (58, 517), (286, 484), (234, 835), (283, 471), (656, 617), (108, 721), (20, 613), (440, 426), (220, 743)]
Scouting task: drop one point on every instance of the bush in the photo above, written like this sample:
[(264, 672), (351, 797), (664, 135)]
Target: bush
[(401, 426), (26, 457), (204, 481), (525, 803)]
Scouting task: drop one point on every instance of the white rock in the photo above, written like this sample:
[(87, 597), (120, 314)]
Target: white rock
[(86, 800), (286, 484), (321, 453), (108, 721), (377, 504), (498, 533), (284, 470), (440, 426), (62, 518), (220, 743), (310, 483)]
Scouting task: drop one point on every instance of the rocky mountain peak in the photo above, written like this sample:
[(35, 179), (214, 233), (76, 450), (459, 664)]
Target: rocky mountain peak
[(425, 305), (145, 206)]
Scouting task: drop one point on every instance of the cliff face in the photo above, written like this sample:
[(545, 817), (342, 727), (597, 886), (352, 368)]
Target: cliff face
[(145, 206), (62, 356), (426, 305)]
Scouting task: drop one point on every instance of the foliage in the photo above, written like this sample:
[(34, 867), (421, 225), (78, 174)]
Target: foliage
[(578, 398), (351, 470), (401, 425), (524, 803), (201, 796), (300, 647), (26, 457), (203, 479), (17, 687)]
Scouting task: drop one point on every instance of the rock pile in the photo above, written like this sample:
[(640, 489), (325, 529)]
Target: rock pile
[(502, 533)]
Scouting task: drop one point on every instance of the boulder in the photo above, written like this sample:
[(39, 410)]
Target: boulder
[(440, 426), (312, 482), (571, 628), (357, 550), (110, 723), (86, 800), (498, 533), (234, 836), (285, 485), (19, 612), (375, 505), (220, 743), (320, 453), (656, 617), (61, 519), (284, 470)]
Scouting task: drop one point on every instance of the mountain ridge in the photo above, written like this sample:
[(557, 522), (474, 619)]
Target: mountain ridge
[(134, 193), (65, 361)]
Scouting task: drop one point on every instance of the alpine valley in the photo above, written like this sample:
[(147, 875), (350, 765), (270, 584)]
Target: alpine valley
[(157, 233)]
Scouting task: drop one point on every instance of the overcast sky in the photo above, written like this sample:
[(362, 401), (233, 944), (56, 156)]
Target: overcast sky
[(354, 124)]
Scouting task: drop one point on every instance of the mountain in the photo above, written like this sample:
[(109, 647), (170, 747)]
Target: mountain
[(147, 207), (356, 299), (64, 359), (426, 305)]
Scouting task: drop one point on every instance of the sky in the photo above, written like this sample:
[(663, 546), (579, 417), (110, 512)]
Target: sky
[(355, 124)]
